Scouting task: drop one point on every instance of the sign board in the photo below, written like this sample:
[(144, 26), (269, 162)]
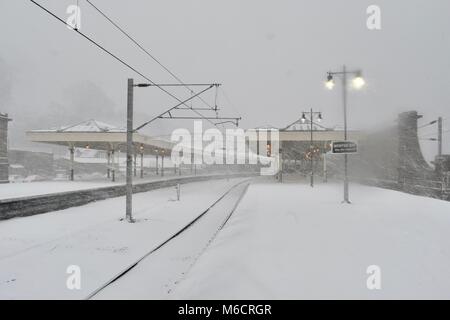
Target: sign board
[(344, 147)]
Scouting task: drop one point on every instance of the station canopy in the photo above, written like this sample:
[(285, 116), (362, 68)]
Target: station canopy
[(93, 134)]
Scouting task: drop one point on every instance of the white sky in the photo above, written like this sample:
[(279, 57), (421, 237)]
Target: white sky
[(270, 56)]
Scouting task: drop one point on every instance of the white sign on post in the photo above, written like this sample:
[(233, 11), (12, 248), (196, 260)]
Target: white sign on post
[(344, 147)]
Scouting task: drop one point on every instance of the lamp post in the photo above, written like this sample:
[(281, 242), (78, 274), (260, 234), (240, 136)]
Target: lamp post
[(311, 147), (358, 82)]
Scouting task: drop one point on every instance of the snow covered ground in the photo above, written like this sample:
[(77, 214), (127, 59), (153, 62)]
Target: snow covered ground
[(156, 276), (27, 189), (288, 241), (283, 241), (18, 190), (36, 251)]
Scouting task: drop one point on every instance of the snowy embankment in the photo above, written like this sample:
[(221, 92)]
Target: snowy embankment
[(19, 190), (36, 251), (288, 241), (28, 189)]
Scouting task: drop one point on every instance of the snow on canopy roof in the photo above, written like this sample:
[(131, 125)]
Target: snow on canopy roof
[(88, 126), (299, 125)]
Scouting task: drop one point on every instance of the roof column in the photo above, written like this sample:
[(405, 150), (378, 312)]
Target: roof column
[(142, 165), (113, 165), (72, 155)]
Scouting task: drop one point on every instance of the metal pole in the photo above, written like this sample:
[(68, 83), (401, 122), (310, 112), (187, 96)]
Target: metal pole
[(440, 136), (72, 152), (281, 165), (311, 149), (344, 100), (129, 185), (108, 170), (135, 165), (162, 165), (157, 165), (325, 178), (113, 165), (142, 165)]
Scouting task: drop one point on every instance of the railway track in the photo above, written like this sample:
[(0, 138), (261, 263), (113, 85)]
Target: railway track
[(243, 185)]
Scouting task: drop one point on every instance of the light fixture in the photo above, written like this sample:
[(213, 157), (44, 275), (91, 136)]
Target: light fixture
[(330, 82), (303, 118), (358, 81)]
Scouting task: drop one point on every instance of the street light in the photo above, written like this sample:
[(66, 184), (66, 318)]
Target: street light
[(358, 82), (319, 118), (330, 82), (303, 118)]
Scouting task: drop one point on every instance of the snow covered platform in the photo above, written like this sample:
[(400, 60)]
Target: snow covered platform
[(288, 241), (20, 190), (283, 241), (38, 188), (36, 251)]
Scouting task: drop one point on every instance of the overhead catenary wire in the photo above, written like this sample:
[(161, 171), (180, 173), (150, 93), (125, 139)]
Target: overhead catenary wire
[(233, 106), (430, 123), (432, 133), (146, 51), (123, 62)]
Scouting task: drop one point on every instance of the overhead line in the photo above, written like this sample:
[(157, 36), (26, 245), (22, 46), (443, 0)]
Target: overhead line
[(145, 50), (117, 58)]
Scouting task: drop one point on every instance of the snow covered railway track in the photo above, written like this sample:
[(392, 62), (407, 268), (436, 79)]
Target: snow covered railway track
[(173, 247)]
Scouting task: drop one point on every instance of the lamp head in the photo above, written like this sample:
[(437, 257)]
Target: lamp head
[(358, 81), (303, 118), (330, 82)]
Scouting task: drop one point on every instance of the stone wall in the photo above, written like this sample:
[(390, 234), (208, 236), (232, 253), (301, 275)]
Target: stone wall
[(28, 206), (4, 166)]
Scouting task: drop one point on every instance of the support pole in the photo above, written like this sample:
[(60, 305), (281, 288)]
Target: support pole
[(162, 165), (440, 136), (142, 165), (344, 101), (129, 185), (135, 164), (108, 170), (311, 149), (72, 155), (281, 166), (113, 165), (157, 165)]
